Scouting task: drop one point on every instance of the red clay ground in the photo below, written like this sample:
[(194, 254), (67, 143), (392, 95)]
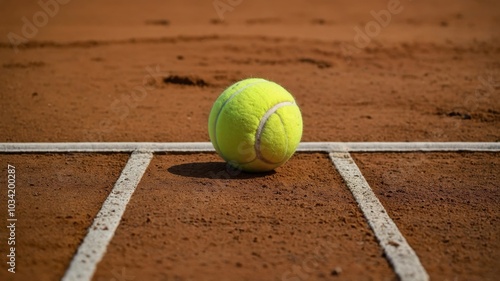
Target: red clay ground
[(54, 208), (446, 205), (396, 93), (192, 220), (431, 75)]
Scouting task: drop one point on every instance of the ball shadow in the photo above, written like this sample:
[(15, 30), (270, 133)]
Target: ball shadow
[(213, 170)]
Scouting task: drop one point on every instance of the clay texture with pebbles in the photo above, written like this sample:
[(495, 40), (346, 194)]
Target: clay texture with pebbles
[(56, 202), (431, 75), (447, 207), (190, 219), (402, 92), (417, 81)]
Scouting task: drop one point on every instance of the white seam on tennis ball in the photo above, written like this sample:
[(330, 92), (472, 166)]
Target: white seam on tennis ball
[(286, 134), (216, 143), (262, 123)]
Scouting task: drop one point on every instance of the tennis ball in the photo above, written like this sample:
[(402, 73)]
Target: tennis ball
[(255, 125)]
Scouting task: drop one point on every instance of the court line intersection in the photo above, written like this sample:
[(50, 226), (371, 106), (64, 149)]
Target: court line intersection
[(93, 248), (102, 230)]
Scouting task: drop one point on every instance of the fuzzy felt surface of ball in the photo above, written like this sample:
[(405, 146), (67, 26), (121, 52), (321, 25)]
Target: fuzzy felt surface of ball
[(255, 125)]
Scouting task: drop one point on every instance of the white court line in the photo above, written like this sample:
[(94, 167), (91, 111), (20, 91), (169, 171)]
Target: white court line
[(397, 250), (100, 233), (107, 147)]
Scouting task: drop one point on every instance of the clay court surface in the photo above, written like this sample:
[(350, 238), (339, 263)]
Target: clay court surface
[(149, 71)]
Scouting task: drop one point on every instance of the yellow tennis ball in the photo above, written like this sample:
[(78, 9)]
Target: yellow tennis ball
[(255, 125)]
